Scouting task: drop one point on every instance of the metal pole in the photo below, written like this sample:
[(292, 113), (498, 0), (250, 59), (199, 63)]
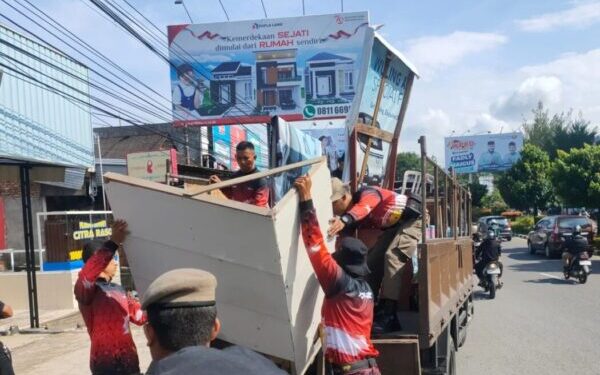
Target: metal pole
[(101, 173), (188, 13), (303, 9), (422, 141), (29, 247), (436, 199), (187, 145)]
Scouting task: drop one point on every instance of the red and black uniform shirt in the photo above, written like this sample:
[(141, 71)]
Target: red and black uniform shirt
[(375, 208), (347, 312), (107, 311), (254, 192)]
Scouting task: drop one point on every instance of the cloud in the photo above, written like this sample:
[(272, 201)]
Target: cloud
[(486, 122), (580, 16), (547, 89), (432, 53)]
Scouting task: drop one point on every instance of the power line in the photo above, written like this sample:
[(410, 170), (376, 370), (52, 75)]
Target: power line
[(136, 35), (121, 111), (79, 41), (264, 9), (224, 11)]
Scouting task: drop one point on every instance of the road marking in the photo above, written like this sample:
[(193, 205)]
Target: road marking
[(552, 276)]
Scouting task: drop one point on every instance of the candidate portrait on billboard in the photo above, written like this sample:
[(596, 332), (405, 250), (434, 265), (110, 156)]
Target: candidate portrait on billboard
[(483, 153)]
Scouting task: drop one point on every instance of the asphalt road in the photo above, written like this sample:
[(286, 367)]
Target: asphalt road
[(539, 323)]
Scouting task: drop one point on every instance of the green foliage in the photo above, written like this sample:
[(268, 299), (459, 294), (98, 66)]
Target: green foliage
[(407, 161), (523, 224), (527, 184), (559, 132), (478, 191), (494, 202), (576, 176)]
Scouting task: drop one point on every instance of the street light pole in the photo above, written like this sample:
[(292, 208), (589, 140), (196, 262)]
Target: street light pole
[(177, 2)]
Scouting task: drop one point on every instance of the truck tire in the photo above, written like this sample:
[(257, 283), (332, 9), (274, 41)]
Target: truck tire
[(451, 361)]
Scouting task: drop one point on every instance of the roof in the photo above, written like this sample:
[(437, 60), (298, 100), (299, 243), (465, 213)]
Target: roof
[(74, 178), (227, 67), (118, 141), (244, 71), (324, 56)]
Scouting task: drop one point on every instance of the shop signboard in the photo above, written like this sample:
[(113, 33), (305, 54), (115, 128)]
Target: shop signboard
[(151, 166)]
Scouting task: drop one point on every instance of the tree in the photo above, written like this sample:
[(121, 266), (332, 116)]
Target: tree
[(559, 132), (576, 134), (527, 184), (494, 202), (406, 161), (542, 131), (576, 176), (478, 191)]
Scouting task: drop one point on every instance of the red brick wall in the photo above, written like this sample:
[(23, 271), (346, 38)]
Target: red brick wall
[(13, 190)]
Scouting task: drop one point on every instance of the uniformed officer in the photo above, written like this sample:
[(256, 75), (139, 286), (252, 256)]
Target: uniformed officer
[(182, 321), (398, 216)]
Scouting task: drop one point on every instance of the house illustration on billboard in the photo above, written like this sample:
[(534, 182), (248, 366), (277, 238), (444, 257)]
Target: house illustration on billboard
[(231, 88), (278, 85), (329, 78)]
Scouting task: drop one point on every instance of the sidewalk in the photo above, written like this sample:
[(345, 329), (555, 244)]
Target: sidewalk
[(58, 353)]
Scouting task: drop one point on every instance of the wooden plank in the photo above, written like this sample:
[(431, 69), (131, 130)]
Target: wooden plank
[(374, 132), (398, 356), (256, 176)]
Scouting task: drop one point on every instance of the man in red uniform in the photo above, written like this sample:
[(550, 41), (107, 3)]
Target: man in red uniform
[(347, 312), (397, 215), (254, 192), (107, 309)]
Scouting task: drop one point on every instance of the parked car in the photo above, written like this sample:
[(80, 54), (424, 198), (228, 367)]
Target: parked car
[(549, 233), (505, 231)]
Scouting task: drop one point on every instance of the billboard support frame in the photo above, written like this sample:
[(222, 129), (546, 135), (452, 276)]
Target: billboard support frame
[(386, 66), (391, 172)]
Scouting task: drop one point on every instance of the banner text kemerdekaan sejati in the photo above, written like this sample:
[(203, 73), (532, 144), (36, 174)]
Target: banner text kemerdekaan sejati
[(276, 40)]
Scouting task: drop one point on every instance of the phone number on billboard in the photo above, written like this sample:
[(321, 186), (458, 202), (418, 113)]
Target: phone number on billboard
[(333, 110)]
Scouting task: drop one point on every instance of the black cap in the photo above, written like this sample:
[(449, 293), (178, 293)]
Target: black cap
[(352, 257)]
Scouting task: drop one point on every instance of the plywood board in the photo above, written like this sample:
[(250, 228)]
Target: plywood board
[(268, 298)]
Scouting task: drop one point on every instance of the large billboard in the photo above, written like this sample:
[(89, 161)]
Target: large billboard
[(248, 71), (483, 153)]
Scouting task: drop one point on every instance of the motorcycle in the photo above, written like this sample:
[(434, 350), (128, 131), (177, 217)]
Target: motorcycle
[(579, 268), (491, 281), (581, 264)]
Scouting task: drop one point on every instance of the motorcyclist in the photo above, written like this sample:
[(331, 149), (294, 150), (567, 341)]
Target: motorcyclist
[(489, 250), (573, 245)]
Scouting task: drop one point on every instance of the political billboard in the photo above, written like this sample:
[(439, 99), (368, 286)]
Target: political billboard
[(248, 71), (483, 153)]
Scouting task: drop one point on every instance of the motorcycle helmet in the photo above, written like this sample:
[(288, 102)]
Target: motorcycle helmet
[(491, 235), (577, 230)]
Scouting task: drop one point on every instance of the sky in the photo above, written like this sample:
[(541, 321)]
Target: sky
[(483, 64)]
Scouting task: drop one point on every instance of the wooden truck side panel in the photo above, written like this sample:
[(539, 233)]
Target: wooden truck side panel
[(445, 283)]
